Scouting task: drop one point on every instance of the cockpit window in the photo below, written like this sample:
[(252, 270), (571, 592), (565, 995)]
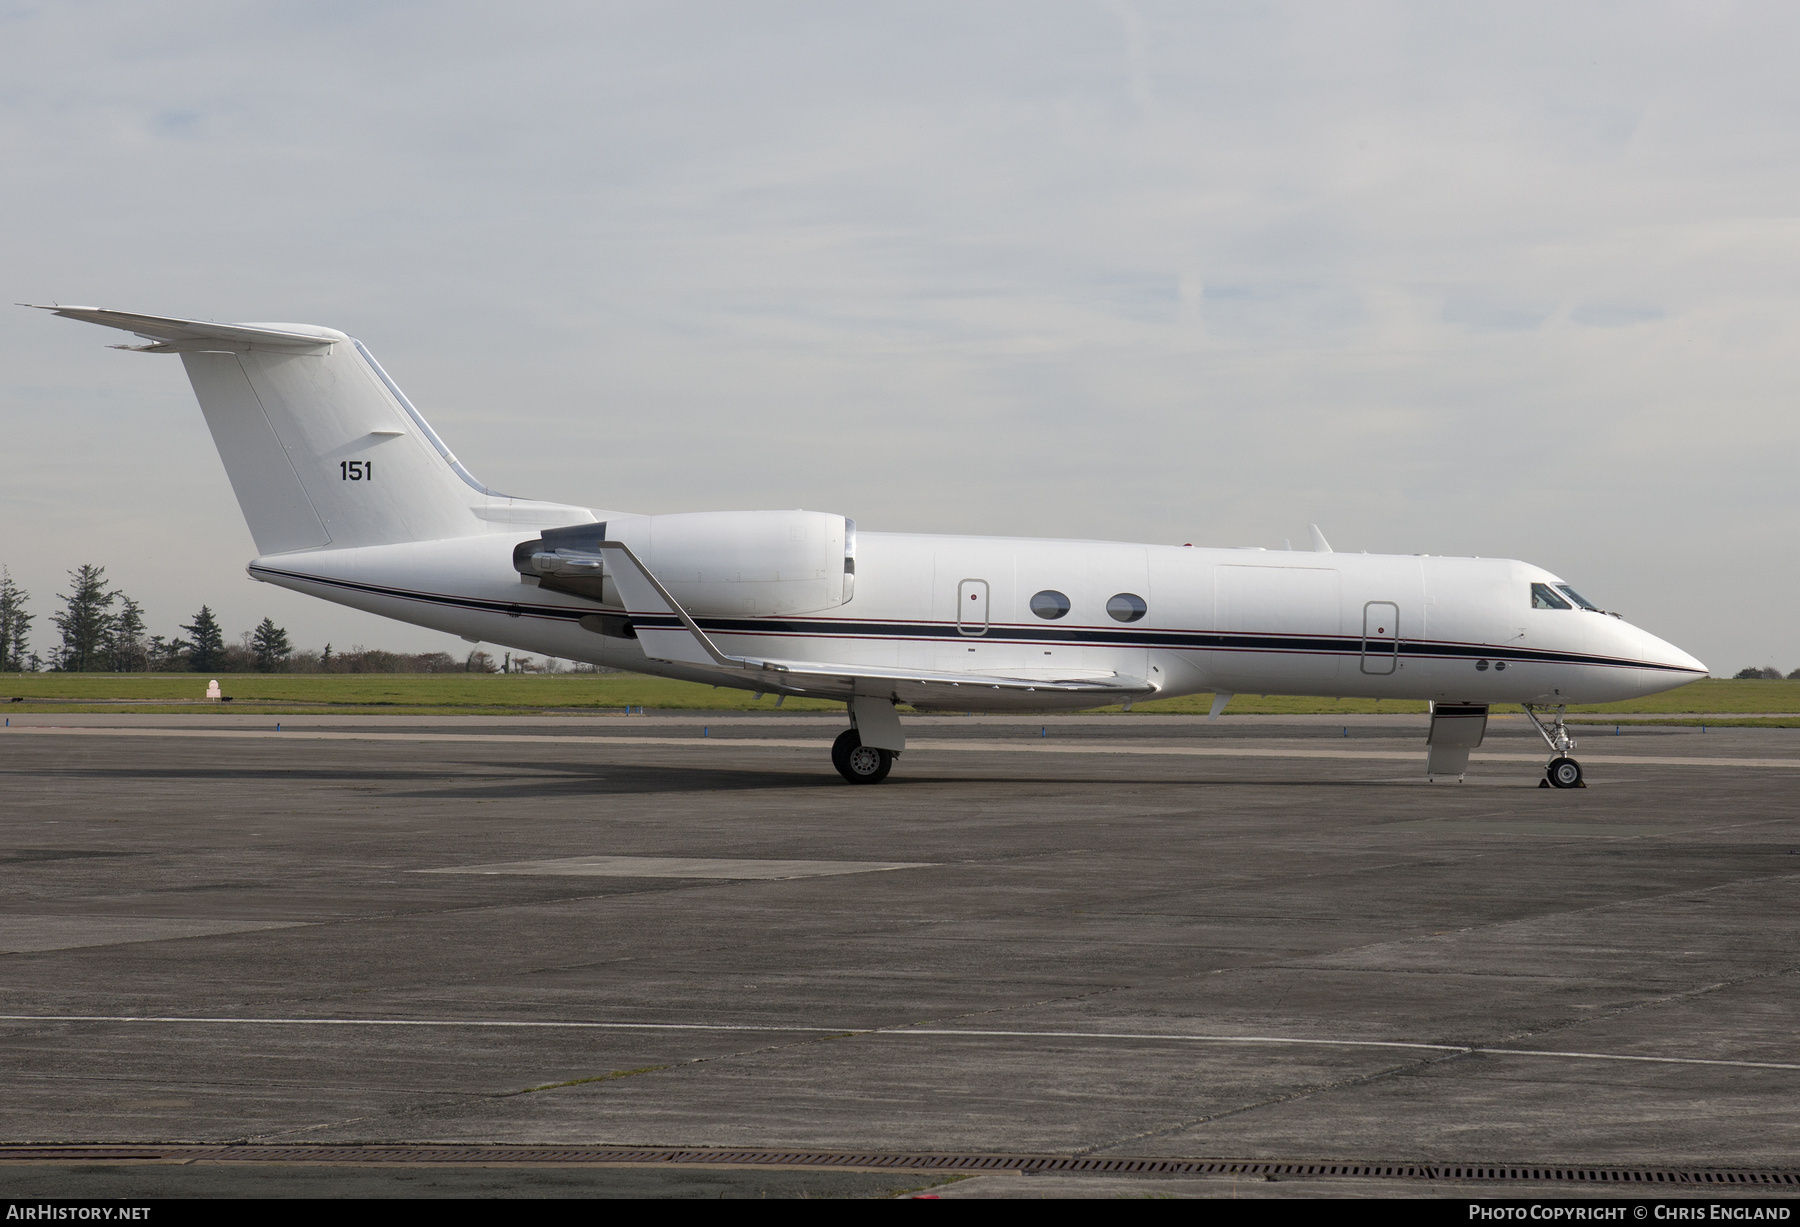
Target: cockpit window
[(1577, 597), (1543, 596)]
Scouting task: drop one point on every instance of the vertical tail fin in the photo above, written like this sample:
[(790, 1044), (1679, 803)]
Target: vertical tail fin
[(320, 445), (369, 473)]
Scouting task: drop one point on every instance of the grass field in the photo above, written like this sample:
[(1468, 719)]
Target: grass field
[(494, 693)]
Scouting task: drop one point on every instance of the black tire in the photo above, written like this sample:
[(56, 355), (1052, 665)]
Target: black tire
[(858, 763), (1563, 773)]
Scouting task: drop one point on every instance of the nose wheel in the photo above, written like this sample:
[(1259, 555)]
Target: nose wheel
[(858, 763), (1562, 771)]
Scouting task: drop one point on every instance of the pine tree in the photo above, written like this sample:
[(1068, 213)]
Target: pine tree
[(85, 620), (208, 649), (270, 643), (125, 648), (168, 655), (14, 623)]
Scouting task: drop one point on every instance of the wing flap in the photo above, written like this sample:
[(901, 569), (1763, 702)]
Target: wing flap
[(1085, 681)]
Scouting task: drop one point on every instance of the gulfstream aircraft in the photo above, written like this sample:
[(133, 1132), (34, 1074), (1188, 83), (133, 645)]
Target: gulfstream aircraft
[(351, 497)]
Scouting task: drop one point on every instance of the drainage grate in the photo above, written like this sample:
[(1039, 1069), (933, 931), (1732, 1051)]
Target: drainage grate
[(875, 1161)]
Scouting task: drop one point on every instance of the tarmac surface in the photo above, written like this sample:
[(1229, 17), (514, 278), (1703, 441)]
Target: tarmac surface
[(1263, 938)]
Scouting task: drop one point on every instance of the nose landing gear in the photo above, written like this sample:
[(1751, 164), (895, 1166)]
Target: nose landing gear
[(1562, 771)]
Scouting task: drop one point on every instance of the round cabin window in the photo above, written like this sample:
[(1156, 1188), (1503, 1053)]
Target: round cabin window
[(1127, 607), (1049, 604)]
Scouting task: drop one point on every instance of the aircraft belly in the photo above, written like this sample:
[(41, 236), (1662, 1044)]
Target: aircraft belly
[(1241, 670), (553, 638)]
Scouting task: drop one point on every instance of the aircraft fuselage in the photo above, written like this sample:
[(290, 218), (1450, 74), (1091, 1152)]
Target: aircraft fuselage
[(1460, 630)]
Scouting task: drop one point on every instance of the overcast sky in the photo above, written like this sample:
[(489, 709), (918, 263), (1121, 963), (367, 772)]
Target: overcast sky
[(1510, 280)]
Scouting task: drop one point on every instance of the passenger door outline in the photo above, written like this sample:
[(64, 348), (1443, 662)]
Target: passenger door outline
[(1380, 638)]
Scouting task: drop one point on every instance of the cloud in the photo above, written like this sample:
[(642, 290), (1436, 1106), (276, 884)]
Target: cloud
[(1614, 315)]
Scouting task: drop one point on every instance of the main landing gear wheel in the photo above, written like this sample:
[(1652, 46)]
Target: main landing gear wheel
[(858, 763), (1564, 772)]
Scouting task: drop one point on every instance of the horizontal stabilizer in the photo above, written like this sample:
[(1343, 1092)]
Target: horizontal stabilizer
[(171, 336)]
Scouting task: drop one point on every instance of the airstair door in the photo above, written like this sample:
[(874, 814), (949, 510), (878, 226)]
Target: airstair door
[(1380, 637)]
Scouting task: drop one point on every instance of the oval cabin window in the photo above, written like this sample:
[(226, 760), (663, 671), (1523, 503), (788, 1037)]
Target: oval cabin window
[(1049, 604), (1127, 607)]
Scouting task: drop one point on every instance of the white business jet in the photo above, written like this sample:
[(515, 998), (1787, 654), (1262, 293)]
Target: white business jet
[(351, 497)]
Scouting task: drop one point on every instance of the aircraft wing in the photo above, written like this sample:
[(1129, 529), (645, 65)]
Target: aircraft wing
[(1075, 681), (667, 633), (168, 336)]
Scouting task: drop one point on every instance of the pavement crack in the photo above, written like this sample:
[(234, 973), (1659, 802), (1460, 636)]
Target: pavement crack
[(1687, 994), (609, 1076), (447, 1105), (1299, 1093)]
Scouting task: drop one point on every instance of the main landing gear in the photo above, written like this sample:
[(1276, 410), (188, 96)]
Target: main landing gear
[(858, 763), (1562, 771), (865, 752)]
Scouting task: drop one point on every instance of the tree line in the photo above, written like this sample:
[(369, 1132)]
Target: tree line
[(102, 630)]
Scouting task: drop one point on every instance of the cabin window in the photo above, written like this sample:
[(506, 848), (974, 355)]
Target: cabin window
[(1126, 607), (1577, 597), (1049, 604), (1544, 597)]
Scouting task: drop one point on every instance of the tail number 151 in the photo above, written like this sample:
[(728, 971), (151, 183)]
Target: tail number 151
[(356, 470)]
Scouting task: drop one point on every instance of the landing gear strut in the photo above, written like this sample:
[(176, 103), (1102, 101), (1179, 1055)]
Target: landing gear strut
[(858, 763), (1562, 771)]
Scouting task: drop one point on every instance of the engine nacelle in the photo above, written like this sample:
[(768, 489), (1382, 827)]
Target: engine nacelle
[(717, 563)]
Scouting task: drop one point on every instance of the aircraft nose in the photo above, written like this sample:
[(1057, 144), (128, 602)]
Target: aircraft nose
[(1681, 660), (1661, 654)]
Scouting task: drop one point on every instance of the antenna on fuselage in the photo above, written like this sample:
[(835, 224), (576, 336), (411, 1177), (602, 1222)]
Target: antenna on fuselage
[(1320, 545)]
